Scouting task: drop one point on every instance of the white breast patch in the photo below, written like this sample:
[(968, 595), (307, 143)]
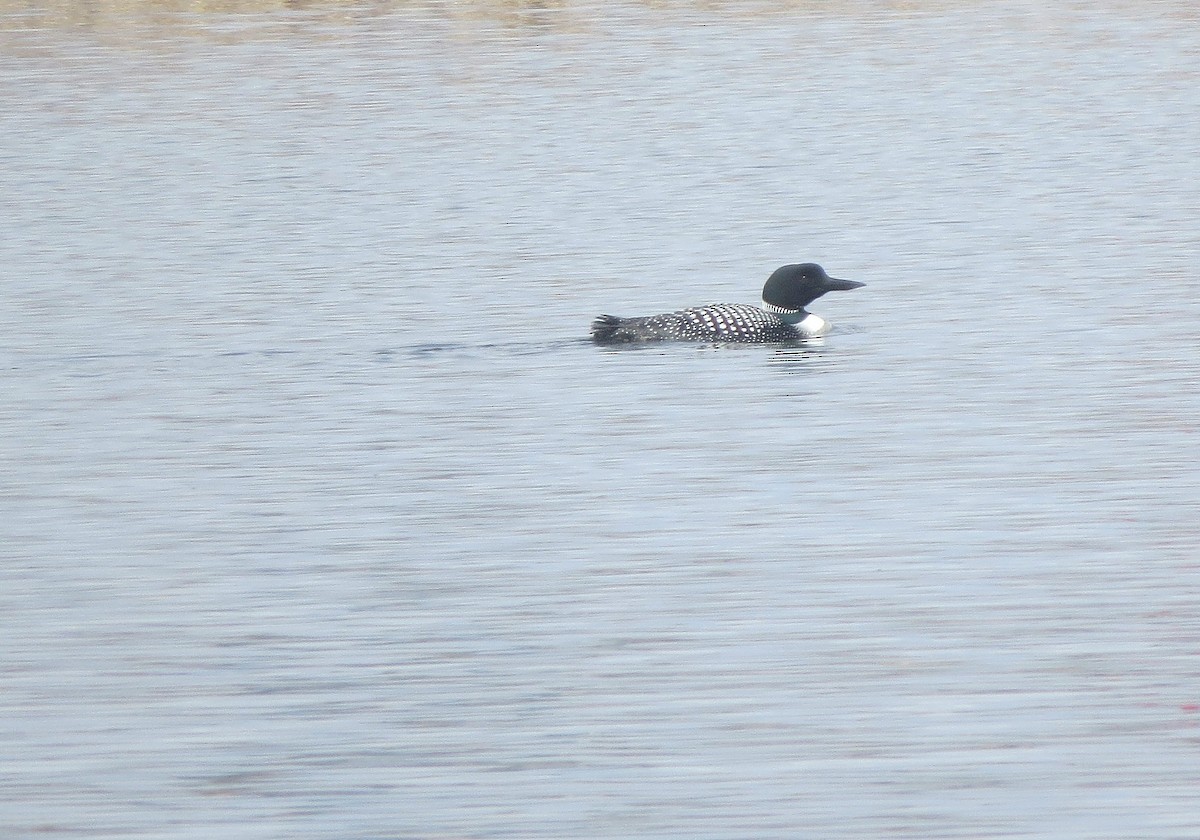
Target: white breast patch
[(813, 325)]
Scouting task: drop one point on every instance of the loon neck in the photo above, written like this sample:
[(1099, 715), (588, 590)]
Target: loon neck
[(805, 322), (788, 316)]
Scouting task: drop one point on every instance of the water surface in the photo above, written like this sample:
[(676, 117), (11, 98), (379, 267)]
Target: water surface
[(322, 519)]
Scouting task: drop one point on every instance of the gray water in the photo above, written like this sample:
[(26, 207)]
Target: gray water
[(321, 518)]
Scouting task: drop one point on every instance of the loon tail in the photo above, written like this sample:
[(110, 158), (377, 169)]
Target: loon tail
[(604, 329)]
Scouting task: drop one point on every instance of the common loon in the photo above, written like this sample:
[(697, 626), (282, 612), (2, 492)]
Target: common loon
[(781, 318)]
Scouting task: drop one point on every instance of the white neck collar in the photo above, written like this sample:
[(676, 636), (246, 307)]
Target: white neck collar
[(804, 321)]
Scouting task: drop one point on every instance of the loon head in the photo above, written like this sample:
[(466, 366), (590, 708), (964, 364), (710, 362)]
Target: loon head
[(793, 287)]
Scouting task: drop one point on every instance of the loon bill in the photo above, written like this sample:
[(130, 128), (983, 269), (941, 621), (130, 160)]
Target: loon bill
[(782, 316)]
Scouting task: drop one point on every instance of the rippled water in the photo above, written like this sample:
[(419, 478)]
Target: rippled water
[(322, 519)]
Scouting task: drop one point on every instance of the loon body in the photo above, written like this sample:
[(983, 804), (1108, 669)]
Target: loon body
[(781, 318)]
